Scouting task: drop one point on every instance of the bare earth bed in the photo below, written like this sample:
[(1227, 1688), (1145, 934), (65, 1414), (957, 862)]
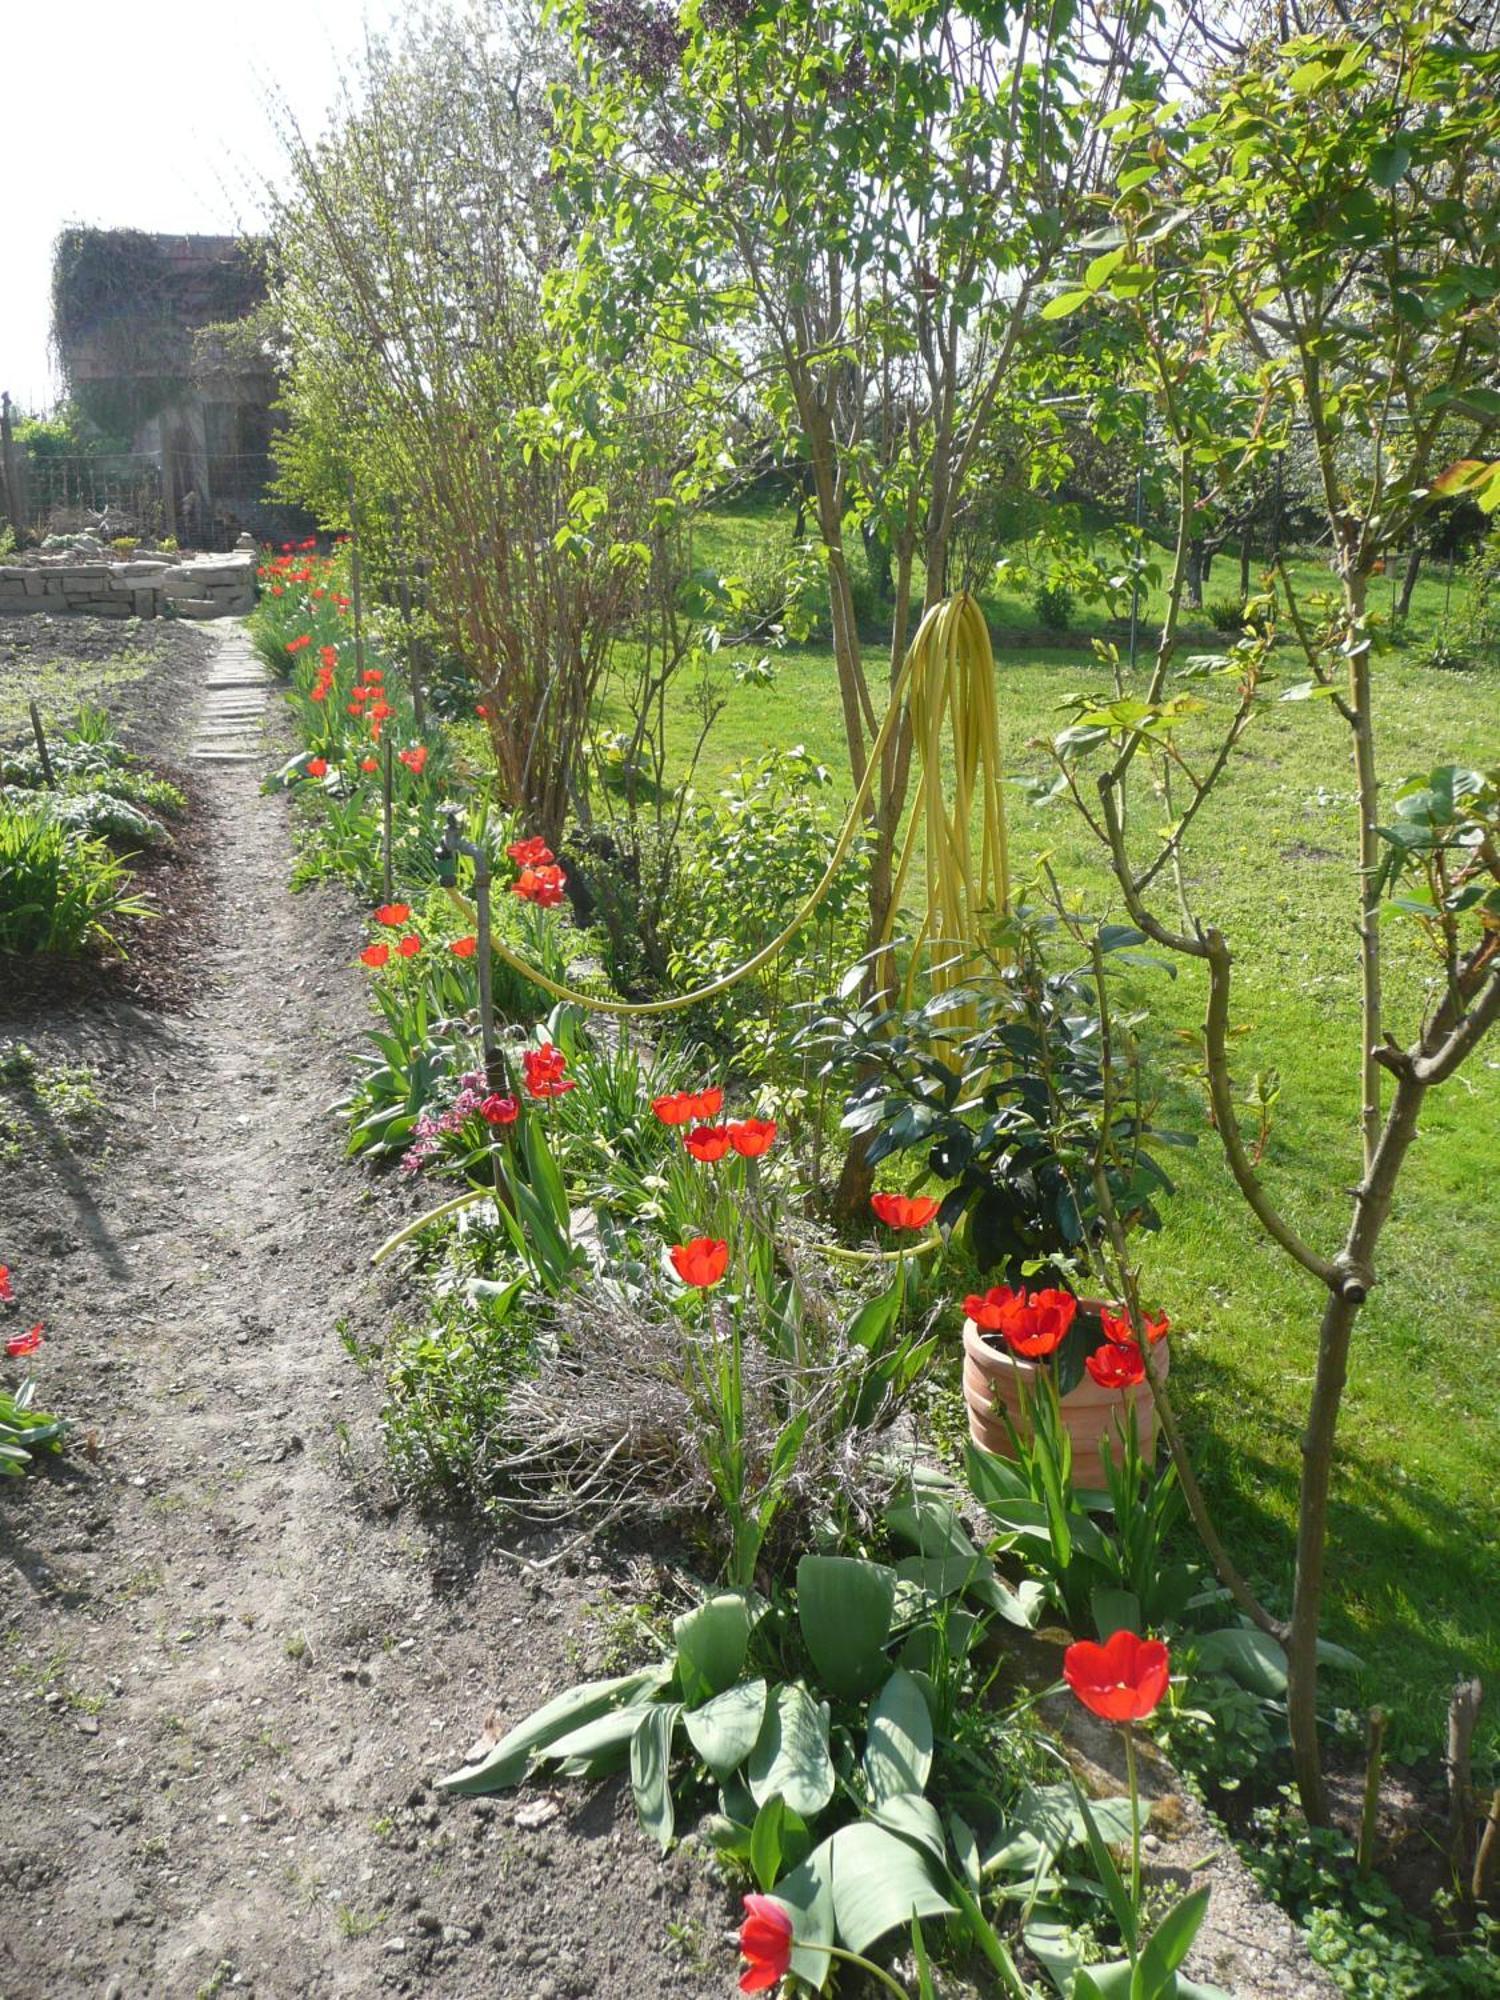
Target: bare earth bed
[(229, 1664)]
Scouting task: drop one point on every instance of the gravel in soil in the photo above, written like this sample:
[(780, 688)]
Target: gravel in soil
[(230, 1663)]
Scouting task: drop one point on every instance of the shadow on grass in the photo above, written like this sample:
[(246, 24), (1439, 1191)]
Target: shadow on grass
[(1406, 1570)]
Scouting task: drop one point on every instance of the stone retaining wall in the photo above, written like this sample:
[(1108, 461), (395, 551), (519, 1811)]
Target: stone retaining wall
[(211, 586)]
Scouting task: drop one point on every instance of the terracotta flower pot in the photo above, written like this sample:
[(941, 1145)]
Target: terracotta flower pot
[(995, 1380)]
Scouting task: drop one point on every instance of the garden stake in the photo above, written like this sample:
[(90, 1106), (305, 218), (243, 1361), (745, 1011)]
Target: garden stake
[(1364, 1857), (1489, 1851), (355, 593), (386, 780), (41, 745)]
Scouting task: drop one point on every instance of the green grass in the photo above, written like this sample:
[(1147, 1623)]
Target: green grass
[(1415, 1568)]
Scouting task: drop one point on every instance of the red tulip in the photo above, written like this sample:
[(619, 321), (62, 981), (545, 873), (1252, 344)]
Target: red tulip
[(679, 1107), (707, 1104), (375, 955), (1116, 1366), (533, 853), (464, 947), (296, 645), (329, 655), (369, 763), (6, 1293), (765, 1943), (1033, 1323), (414, 760), (318, 693), (499, 1110), (393, 913), (707, 1142), (753, 1136), (410, 945), (317, 767), (542, 886), (544, 1071), (905, 1211), (24, 1343), (1120, 1681), (1117, 1327), (702, 1262)]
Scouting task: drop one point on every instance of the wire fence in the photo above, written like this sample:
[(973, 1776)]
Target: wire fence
[(204, 499)]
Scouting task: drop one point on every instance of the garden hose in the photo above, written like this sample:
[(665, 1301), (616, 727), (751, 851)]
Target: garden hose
[(948, 666)]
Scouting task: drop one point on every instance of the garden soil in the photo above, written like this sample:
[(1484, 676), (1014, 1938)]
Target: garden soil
[(231, 1662), (230, 1665)]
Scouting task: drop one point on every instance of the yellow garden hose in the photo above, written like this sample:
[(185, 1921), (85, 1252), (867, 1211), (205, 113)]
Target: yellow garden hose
[(949, 666)]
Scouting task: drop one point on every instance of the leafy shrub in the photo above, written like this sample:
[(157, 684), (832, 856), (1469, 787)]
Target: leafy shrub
[(1052, 605), (1225, 614), (749, 857), (59, 892), (447, 1386)]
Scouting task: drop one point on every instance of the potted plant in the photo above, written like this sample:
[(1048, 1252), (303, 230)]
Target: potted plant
[(1024, 1119)]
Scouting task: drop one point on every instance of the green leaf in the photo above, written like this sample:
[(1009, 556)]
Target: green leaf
[(724, 1731), (925, 1988), (1116, 1895), (779, 1840), (898, 1741), (507, 1762), (1170, 1943), (808, 1893), (651, 1770), (1248, 1656), (712, 1642), (595, 1748), (1065, 303), (791, 1753), (879, 1882), (1115, 1611), (913, 1818), (1389, 162), (845, 1606)]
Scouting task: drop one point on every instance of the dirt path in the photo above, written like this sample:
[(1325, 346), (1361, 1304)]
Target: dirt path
[(229, 1663)]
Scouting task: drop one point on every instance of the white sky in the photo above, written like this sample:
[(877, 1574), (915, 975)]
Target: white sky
[(151, 118)]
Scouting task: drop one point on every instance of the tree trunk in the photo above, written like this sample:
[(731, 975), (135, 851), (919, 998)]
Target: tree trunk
[(1373, 1203), (1197, 573), (1409, 582)]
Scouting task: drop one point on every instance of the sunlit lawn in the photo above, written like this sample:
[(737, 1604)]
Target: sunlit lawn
[(1415, 1575)]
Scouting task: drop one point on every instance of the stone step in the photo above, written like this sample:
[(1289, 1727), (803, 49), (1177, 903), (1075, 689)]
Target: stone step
[(212, 756)]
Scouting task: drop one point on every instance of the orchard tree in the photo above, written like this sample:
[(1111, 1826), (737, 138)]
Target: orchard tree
[(1335, 212), (839, 214)]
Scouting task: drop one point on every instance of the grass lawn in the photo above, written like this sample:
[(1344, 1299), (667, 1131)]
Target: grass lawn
[(1415, 1565)]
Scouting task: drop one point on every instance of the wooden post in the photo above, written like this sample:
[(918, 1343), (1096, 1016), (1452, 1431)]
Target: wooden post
[(1374, 1762), (386, 783), (1463, 1714), (354, 587), (12, 477), (413, 673), (39, 733)]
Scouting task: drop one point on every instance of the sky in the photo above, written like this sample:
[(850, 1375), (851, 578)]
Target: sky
[(157, 119)]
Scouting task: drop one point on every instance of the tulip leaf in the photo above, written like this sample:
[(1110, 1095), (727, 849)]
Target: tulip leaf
[(808, 1893), (724, 1731), (898, 1741), (913, 1818), (1171, 1941), (845, 1606), (779, 1840), (651, 1770), (791, 1753), (595, 1748), (879, 1882), (712, 1641), (507, 1761)]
